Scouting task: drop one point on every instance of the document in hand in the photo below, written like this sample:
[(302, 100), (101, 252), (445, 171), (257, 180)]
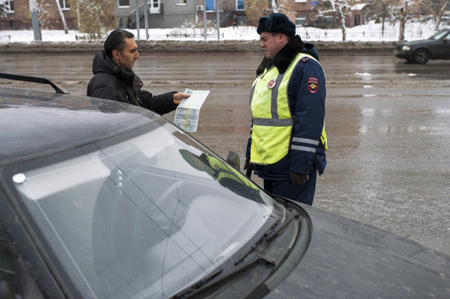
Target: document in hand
[(188, 112)]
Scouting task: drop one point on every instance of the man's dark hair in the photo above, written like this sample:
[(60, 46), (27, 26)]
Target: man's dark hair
[(116, 41)]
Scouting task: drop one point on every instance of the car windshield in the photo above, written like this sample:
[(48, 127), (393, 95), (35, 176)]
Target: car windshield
[(438, 35), (140, 215)]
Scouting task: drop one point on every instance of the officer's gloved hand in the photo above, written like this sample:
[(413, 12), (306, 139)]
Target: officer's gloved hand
[(299, 178), (247, 164)]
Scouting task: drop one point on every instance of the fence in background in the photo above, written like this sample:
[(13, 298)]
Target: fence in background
[(352, 34)]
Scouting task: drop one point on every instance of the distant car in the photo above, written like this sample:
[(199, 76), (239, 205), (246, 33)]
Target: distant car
[(324, 22), (421, 51), (100, 199)]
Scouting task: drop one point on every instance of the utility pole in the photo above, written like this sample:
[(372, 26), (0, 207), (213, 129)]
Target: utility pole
[(137, 19), (204, 18), (35, 21), (146, 18), (196, 12), (218, 20)]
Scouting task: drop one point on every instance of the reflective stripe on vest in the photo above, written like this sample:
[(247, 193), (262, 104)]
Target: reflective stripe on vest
[(272, 119)]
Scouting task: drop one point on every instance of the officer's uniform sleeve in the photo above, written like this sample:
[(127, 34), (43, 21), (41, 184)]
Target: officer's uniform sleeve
[(307, 93)]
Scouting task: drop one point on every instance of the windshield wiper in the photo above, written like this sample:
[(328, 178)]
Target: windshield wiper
[(274, 231), (248, 259), (209, 282), (193, 289)]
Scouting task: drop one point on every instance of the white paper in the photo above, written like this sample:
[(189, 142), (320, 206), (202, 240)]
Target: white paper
[(188, 112)]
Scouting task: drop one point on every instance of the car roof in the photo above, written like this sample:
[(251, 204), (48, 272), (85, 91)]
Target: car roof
[(38, 123)]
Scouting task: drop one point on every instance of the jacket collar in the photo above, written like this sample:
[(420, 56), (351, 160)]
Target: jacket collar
[(284, 58), (103, 64)]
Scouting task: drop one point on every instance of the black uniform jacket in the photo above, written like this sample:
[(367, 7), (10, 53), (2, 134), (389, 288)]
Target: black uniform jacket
[(112, 82)]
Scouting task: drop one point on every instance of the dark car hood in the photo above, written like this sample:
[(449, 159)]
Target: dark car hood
[(348, 259), (419, 42), (65, 121)]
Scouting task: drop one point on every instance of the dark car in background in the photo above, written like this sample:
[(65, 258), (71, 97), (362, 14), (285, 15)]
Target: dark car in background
[(324, 22), (435, 47), (100, 199)]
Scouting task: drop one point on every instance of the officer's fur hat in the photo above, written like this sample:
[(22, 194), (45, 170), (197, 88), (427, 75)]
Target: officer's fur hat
[(278, 23)]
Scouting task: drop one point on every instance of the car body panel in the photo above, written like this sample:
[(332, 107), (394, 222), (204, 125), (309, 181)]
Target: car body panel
[(345, 259), (62, 122), (50, 129), (348, 259), (438, 48)]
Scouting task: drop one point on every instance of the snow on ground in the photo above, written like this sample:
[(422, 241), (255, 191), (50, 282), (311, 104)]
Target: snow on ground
[(365, 33)]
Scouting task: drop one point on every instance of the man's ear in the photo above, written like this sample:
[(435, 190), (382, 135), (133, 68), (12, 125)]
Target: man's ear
[(283, 38), (116, 54)]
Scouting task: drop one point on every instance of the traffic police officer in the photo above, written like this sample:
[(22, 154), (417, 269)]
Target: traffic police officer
[(288, 140)]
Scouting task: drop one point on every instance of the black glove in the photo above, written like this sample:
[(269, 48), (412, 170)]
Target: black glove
[(299, 178), (247, 164)]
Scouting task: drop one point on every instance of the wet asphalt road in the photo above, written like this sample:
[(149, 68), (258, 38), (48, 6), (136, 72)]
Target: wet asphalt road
[(388, 125)]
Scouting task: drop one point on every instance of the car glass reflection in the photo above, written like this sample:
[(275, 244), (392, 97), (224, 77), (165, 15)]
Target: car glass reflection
[(129, 216)]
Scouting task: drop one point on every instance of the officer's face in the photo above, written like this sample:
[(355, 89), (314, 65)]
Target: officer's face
[(128, 56), (272, 43)]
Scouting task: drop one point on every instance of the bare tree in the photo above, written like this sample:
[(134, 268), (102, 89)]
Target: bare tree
[(46, 15), (403, 13), (2, 10), (340, 8), (420, 8), (63, 18), (440, 14), (343, 10), (381, 9), (94, 17), (281, 5), (255, 9)]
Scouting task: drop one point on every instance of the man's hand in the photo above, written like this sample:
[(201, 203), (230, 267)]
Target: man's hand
[(177, 97), (299, 178)]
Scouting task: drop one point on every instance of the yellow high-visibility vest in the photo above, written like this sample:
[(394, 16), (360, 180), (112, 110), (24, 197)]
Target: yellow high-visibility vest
[(272, 119)]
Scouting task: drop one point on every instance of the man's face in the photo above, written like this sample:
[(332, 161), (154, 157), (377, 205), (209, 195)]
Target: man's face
[(128, 56), (271, 43)]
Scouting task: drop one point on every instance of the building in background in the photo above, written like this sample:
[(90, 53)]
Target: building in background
[(166, 13), (303, 11), (19, 12), (174, 13)]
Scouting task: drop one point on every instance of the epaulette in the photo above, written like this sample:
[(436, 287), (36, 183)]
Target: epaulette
[(304, 59)]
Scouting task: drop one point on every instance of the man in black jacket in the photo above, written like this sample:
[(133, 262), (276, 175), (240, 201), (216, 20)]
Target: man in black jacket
[(114, 79)]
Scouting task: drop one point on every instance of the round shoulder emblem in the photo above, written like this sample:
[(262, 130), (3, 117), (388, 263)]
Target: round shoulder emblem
[(271, 84)]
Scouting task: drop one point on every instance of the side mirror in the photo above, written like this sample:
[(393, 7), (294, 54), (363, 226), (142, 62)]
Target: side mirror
[(445, 40), (234, 160)]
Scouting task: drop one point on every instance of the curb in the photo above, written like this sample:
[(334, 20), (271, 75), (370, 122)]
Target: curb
[(185, 46)]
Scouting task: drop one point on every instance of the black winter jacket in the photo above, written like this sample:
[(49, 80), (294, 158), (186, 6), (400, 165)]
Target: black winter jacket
[(112, 82)]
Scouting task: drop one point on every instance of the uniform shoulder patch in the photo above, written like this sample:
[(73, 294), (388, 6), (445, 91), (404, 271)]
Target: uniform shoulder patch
[(313, 84), (304, 59)]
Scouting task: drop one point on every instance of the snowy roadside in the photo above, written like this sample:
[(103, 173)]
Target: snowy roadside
[(183, 46), (365, 37)]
